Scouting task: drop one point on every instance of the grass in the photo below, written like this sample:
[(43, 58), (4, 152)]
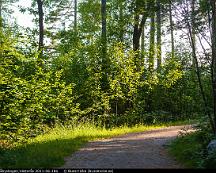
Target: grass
[(50, 149), (191, 150), (187, 150)]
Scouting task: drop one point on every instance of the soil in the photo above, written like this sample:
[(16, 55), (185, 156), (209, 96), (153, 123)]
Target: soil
[(131, 151)]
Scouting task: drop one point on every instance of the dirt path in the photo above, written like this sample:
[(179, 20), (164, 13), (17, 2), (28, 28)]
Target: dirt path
[(136, 150)]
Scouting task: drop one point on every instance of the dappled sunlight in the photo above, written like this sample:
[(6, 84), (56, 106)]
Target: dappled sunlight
[(140, 150), (117, 74)]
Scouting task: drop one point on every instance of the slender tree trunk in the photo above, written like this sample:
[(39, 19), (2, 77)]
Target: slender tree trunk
[(136, 33), (158, 34), (143, 45), (193, 33), (213, 5), (103, 35), (104, 66), (151, 59), (171, 30), (116, 107), (152, 44), (1, 15), (193, 26), (75, 15), (41, 27), (1, 25), (199, 76), (121, 35)]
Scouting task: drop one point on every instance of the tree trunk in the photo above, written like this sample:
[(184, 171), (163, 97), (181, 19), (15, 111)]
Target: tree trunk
[(103, 35), (158, 34), (104, 65), (143, 45), (75, 16), (213, 5), (138, 26), (152, 44), (151, 58), (136, 33), (193, 26), (192, 42), (121, 18), (1, 15), (41, 27), (171, 30)]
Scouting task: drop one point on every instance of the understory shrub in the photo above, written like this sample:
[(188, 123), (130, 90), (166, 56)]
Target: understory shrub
[(29, 103)]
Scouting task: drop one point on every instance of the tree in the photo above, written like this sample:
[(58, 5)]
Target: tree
[(104, 83), (171, 30), (0, 14), (213, 5), (41, 27), (100, 47), (121, 18), (139, 25), (158, 24), (189, 20), (143, 44), (6, 11), (152, 44), (75, 16), (103, 30)]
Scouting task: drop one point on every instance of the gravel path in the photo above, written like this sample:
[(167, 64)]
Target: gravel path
[(135, 150)]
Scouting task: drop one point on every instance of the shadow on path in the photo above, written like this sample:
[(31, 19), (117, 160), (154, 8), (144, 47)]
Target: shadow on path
[(136, 150)]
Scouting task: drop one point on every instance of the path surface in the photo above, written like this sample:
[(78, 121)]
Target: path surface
[(136, 150)]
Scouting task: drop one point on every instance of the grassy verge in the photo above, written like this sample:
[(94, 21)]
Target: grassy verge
[(49, 150), (191, 150), (187, 150)]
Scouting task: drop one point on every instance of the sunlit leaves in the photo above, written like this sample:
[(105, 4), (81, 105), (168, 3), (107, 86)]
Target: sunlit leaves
[(171, 72), (124, 79), (29, 101)]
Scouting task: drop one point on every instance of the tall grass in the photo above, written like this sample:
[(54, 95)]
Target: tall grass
[(50, 149)]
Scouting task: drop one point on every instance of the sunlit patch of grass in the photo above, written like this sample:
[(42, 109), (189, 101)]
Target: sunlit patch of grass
[(50, 149)]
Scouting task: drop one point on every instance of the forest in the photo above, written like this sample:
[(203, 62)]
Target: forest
[(109, 63)]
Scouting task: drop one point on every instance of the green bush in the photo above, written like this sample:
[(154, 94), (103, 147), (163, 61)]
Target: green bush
[(210, 161), (28, 102)]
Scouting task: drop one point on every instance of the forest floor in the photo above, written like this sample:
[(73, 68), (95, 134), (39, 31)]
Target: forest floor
[(135, 150)]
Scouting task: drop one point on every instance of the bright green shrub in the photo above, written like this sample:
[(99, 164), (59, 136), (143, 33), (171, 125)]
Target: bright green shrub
[(27, 102)]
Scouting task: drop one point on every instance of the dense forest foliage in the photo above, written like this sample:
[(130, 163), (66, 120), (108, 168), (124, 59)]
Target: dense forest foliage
[(112, 62)]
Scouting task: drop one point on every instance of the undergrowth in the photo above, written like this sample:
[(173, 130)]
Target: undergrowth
[(191, 149)]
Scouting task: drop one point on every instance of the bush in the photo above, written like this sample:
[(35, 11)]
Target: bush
[(210, 161), (30, 101)]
